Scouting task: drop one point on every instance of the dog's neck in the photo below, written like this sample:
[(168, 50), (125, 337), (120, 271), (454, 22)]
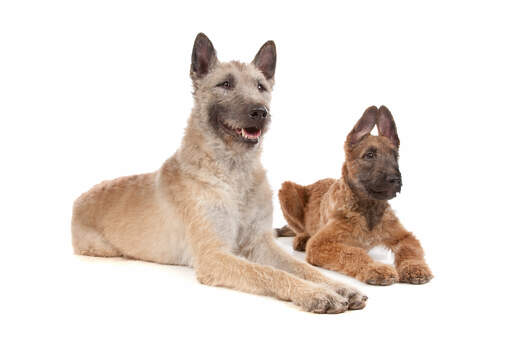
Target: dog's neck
[(355, 201)]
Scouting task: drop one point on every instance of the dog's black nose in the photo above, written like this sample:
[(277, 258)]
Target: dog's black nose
[(259, 113), (395, 179)]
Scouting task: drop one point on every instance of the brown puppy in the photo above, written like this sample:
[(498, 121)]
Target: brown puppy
[(344, 218)]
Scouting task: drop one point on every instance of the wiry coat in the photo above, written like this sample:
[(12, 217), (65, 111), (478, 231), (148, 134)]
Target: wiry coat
[(210, 205)]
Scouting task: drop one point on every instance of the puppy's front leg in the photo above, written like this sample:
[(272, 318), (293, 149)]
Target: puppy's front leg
[(326, 249), (409, 258), (266, 251), (215, 265)]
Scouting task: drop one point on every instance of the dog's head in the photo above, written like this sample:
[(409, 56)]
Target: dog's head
[(371, 166), (234, 96)]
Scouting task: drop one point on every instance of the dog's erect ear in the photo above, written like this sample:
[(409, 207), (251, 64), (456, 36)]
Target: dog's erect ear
[(204, 56), (386, 125), (364, 126), (265, 59)]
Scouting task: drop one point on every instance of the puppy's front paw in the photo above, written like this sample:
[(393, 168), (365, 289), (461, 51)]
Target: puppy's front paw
[(381, 274), (414, 272), (356, 300), (321, 300)]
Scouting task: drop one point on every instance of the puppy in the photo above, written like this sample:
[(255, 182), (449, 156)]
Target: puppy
[(210, 205), (338, 221)]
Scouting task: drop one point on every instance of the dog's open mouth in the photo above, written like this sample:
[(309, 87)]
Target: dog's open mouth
[(249, 134)]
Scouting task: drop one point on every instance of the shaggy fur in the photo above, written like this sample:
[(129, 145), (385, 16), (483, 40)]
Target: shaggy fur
[(210, 205), (337, 221)]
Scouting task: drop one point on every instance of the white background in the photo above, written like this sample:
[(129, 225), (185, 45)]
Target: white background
[(93, 90)]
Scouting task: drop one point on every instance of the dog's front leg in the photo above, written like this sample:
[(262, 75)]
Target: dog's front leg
[(409, 257), (215, 265), (326, 249), (266, 251)]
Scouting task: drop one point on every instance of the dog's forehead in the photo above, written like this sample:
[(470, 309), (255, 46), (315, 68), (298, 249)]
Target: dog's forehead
[(241, 71), (380, 143)]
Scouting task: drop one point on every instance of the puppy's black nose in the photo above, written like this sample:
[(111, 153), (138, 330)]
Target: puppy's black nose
[(395, 179), (259, 113)]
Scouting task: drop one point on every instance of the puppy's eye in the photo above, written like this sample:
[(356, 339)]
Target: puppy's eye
[(369, 155), (225, 85), (261, 87)]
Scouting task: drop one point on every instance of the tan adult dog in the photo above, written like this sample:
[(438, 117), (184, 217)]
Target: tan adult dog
[(337, 221), (210, 205)]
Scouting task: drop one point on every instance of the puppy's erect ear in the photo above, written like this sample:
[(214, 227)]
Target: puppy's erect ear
[(265, 59), (364, 126), (204, 56), (386, 125)]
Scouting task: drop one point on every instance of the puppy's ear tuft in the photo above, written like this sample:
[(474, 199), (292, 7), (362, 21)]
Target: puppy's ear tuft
[(364, 126), (204, 56), (265, 59), (386, 125)]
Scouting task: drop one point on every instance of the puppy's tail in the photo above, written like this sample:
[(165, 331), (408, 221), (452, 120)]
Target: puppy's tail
[(293, 199), (285, 231)]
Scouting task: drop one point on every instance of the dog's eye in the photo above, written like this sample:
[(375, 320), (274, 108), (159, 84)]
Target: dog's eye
[(261, 87), (369, 155), (225, 85)]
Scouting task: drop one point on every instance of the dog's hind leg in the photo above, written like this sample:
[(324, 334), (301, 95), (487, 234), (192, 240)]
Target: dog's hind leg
[(293, 199), (285, 231), (300, 240), (88, 241)]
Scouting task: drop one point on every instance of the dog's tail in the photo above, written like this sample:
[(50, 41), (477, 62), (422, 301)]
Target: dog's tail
[(293, 199), (285, 231)]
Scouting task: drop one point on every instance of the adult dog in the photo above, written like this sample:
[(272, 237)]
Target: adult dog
[(210, 205), (337, 221)]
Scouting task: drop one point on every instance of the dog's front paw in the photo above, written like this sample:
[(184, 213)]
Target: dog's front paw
[(414, 272), (381, 274), (321, 300), (356, 300)]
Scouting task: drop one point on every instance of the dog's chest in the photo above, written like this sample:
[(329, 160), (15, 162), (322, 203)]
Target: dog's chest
[(249, 211), (255, 212), (361, 230)]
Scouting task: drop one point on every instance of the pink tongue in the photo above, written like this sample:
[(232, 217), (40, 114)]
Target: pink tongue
[(255, 134)]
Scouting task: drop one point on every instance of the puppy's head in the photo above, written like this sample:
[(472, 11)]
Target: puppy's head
[(371, 166), (234, 96)]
